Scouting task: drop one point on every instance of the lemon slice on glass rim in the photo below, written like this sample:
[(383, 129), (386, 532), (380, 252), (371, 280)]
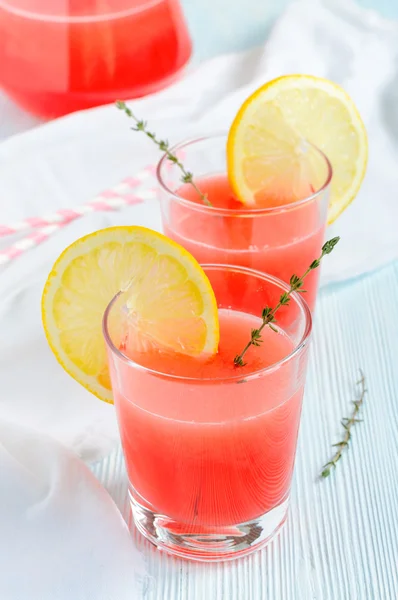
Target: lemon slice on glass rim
[(173, 302), (264, 141)]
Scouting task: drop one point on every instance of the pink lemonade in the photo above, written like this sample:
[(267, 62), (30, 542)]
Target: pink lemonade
[(58, 57), (281, 243), (209, 446), (206, 461)]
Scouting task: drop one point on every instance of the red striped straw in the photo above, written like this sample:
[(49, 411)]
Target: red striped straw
[(100, 203), (43, 227)]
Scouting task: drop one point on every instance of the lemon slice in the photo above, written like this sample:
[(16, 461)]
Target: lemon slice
[(269, 161), (168, 294)]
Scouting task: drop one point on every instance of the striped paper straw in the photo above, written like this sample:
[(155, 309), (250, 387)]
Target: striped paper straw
[(112, 199), (101, 202)]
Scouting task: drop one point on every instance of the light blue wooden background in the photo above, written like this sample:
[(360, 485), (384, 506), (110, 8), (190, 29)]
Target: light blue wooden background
[(219, 26)]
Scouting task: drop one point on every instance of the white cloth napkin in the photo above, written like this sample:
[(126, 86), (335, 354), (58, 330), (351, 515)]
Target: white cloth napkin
[(64, 163), (62, 536)]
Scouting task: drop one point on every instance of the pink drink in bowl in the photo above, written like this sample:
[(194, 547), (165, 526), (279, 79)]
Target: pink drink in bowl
[(58, 56), (281, 240), (210, 447)]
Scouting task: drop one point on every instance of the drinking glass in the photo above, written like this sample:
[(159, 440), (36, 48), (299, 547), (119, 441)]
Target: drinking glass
[(281, 240), (58, 56), (210, 459)]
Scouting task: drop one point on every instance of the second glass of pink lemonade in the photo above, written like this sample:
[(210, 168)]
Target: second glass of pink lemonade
[(210, 447), (280, 239)]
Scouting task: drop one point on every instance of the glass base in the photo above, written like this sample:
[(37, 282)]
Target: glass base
[(208, 544)]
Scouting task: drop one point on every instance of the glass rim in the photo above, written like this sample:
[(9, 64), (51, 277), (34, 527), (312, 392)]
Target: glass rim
[(298, 348), (244, 212), (50, 17)]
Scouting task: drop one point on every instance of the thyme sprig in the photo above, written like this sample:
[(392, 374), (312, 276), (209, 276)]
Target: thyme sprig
[(268, 314), (164, 146), (347, 423)]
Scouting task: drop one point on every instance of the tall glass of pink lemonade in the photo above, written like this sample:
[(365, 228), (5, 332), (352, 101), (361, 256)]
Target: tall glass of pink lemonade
[(280, 239), (210, 447), (58, 56)]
